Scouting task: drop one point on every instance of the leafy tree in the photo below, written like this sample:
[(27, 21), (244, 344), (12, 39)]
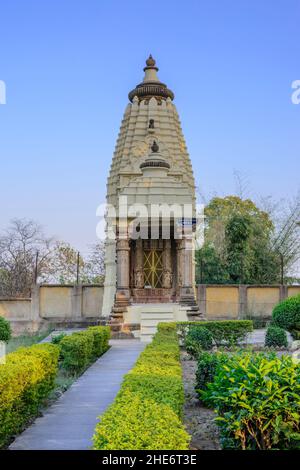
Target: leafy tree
[(237, 234), (238, 244)]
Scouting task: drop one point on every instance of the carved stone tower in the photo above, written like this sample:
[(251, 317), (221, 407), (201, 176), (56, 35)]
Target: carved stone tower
[(150, 167)]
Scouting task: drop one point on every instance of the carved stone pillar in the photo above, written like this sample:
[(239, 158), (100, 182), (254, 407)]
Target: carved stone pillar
[(167, 280), (179, 252), (139, 265), (123, 250), (123, 291), (185, 268)]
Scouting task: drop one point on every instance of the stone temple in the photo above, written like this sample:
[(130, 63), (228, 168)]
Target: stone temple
[(149, 259)]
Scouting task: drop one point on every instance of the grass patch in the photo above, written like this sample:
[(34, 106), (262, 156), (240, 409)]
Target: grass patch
[(26, 340)]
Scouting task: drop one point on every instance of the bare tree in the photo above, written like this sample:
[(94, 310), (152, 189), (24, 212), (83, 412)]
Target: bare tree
[(242, 184), (287, 235), (24, 256), (94, 264), (65, 261)]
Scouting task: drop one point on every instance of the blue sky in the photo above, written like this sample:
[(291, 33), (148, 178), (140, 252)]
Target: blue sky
[(68, 67)]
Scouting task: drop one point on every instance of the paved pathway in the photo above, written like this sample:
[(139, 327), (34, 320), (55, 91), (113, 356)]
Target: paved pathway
[(70, 422)]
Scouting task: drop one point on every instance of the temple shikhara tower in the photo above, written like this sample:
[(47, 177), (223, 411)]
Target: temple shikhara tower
[(149, 264)]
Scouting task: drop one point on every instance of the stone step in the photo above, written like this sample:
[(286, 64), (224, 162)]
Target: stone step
[(157, 310), (148, 330), (151, 316), (154, 321), (157, 316)]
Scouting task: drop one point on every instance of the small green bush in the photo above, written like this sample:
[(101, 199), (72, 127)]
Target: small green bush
[(198, 339), (57, 338), (276, 337), (146, 414), (295, 334), (74, 352), (206, 369), (5, 330), (257, 400), (101, 339), (80, 349), (225, 332), (26, 379), (286, 314)]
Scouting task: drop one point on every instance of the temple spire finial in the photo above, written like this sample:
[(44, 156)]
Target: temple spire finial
[(151, 85), (150, 62), (150, 70)]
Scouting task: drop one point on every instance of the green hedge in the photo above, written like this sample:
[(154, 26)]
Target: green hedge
[(225, 332), (257, 400), (276, 337), (286, 314), (146, 414), (26, 379), (78, 350), (5, 330)]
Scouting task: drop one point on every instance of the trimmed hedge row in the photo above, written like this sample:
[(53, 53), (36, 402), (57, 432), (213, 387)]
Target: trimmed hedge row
[(146, 414), (78, 350), (26, 379), (225, 332)]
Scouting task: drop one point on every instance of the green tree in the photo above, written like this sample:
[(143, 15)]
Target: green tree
[(237, 234), (238, 244)]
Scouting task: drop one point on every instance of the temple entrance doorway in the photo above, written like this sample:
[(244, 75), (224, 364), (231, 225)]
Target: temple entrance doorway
[(153, 271)]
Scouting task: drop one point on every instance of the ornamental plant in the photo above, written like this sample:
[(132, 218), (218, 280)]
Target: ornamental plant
[(286, 314), (206, 369), (276, 337), (257, 400)]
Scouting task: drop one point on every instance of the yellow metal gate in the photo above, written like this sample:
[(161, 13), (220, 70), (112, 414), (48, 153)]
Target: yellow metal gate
[(153, 268)]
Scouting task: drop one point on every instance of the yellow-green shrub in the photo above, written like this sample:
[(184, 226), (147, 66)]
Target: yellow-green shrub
[(25, 380), (80, 349), (101, 339), (146, 413), (137, 423)]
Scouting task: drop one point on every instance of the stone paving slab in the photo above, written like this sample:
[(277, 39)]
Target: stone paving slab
[(70, 422)]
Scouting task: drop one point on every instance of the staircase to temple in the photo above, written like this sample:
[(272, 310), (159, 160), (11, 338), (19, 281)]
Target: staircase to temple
[(151, 315)]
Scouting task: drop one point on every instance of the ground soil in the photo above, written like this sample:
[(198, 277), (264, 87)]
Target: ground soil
[(199, 421)]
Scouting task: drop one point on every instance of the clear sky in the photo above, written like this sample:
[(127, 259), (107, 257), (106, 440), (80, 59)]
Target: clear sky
[(68, 66)]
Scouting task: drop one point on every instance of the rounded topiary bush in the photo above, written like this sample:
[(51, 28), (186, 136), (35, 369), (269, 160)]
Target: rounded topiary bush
[(276, 337), (286, 314), (198, 339), (5, 330)]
